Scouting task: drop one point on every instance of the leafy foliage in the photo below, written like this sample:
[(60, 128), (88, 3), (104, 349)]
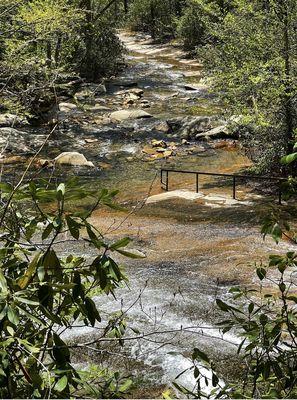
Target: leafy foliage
[(44, 40), (45, 291), (266, 321), (156, 17), (253, 63)]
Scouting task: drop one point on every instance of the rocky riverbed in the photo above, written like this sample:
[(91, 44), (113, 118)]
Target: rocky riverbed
[(156, 113)]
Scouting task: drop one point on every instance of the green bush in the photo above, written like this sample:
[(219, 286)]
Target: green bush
[(46, 289), (191, 27)]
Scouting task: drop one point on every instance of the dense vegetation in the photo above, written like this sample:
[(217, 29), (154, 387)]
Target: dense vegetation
[(45, 44), (249, 53), (43, 295)]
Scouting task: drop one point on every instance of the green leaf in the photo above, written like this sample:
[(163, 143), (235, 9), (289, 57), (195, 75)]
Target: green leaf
[(60, 351), (61, 384), (45, 296), (215, 380), (60, 191), (12, 316), (47, 231), (223, 306), (73, 226), (92, 311), (196, 372), (78, 290), (121, 243), (24, 281), (282, 287), (26, 301), (261, 272), (51, 263), (94, 239), (198, 354), (251, 307), (125, 386), (289, 158), (132, 253), (3, 284), (263, 319)]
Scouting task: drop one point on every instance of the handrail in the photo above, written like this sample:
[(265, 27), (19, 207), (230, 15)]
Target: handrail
[(233, 176)]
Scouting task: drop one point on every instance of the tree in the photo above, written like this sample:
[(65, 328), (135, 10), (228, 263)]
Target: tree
[(100, 50), (194, 26), (44, 40), (252, 63), (156, 17)]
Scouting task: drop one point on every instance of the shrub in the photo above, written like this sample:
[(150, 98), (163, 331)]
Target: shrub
[(44, 291)]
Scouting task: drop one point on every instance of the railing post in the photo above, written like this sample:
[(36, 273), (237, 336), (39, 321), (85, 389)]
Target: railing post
[(197, 183), (234, 187), (167, 181)]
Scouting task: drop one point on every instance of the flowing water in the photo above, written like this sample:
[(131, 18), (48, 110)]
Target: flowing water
[(194, 252)]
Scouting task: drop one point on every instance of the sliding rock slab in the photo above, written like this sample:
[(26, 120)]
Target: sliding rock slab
[(182, 194), (123, 115), (73, 158)]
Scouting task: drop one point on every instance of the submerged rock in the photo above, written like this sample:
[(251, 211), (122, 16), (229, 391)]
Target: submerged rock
[(137, 92), (123, 115), (125, 84), (73, 158)]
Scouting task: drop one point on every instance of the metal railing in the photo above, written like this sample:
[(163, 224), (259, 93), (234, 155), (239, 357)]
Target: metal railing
[(235, 179)]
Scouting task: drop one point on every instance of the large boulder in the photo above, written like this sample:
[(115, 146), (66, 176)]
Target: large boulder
[(193, 126), (216, 133), (12, 120), (67, 108), (73, 158), (163, 127), (123, 115)]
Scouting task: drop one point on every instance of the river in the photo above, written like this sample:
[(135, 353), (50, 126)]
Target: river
[(195, 250)]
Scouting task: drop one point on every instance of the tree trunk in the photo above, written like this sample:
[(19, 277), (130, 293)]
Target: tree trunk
[(87, 69), (49, 54), (58, 49), (288, 99), (126, 8), (153, 21)]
